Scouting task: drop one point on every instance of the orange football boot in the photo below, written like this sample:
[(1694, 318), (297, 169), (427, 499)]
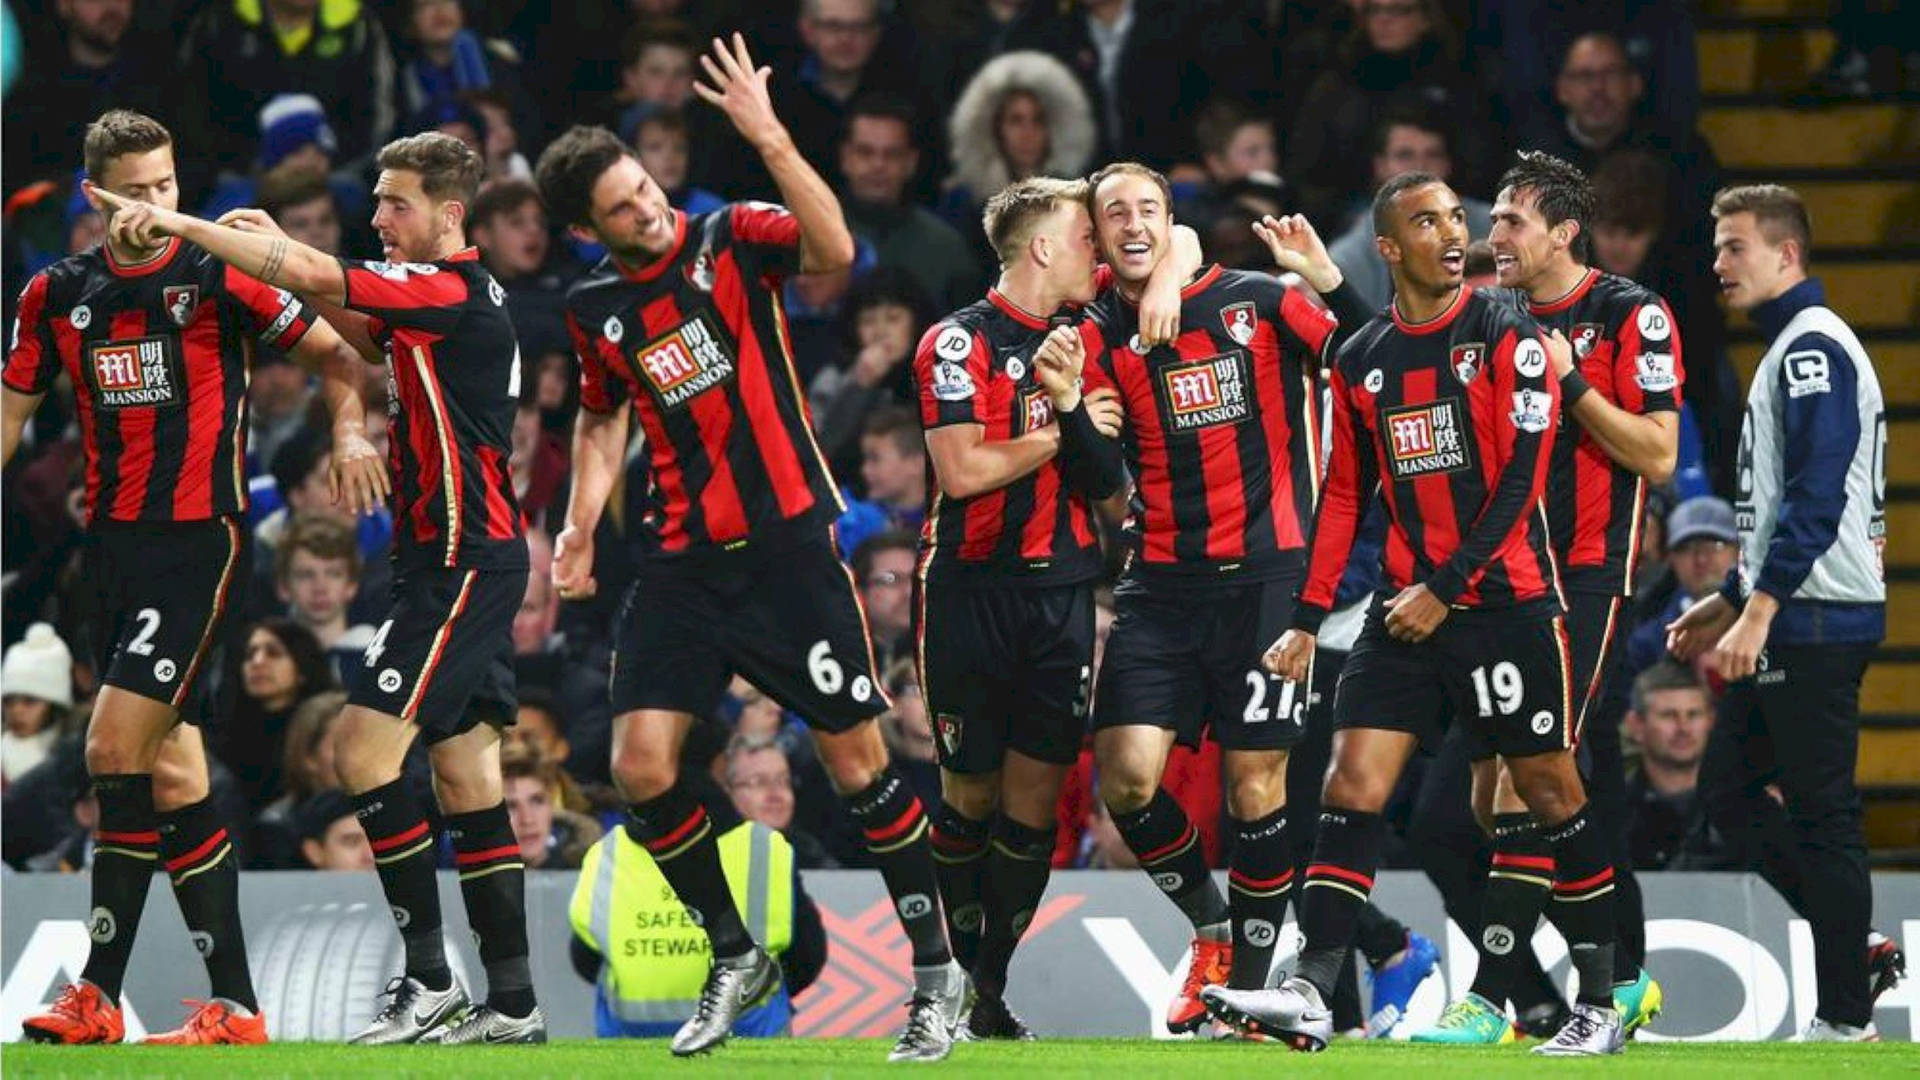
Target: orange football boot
[(1210, 964), (81, 1014), (214, 1023)]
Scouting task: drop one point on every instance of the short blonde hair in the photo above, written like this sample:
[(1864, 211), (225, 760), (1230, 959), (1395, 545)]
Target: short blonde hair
[(1013, 214), (1778, 210)]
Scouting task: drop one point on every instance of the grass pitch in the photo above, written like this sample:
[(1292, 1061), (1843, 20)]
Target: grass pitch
[(791, 1059)]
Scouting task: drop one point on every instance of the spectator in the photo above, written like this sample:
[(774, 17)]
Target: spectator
[(759, 780), (278, 395), (84, 67), (445, 61), (550, 836), (37, 679), (294, 134), (72, 853), (283, 665), (1404, 142), (1702, 545), (656, 73), (660, 140), (1236, 145), (533, 632), (835, 70), (300, 199), (891, 448), (538, 465), (456, 117), (1134, 59), (301, 483), (1402, 54), (909, 731), (330, 834), (1671, 717), (274, 840), (881, 321), (505, 133), (508, 224), (316, 571), (883, 568), (1630, 211), (1022, 115), (878, 159), (239, 53)]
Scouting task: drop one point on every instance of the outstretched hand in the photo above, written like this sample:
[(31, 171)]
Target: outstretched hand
[(739, 89), (1297, 248), (139, 225)]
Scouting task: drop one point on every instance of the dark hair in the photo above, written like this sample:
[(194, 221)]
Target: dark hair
[(1561, 192), (293, 185), (1126, 168), (571, 165), (673, 120), (312, 673), (898, 423), (648, 33), (1665, 675), (541, 699), (294, 460), (449, 169), (1630, 191), (1219, 120), (1427, 120), (1012, 212), (520, 759), (318, 813), (1777, 209), (1391, 190), (501, 197), (1480, 261), (880, 105), (1440, 30), (321, 536), (872, 546), (119, 132), (880, 286)]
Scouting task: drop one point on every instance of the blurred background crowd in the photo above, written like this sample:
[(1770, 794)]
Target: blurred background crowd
[(916, 110)]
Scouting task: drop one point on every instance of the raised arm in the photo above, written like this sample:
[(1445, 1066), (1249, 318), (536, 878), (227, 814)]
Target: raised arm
[(275, 259), (739, 89)]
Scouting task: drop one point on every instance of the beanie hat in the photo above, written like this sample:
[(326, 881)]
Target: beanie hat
[(289, 122), (40, 666)]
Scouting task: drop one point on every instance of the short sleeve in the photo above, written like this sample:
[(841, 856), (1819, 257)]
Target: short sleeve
[(419, 295), (33, 360), (280, 318), (950, 370), (600, 390), (1647, 371), (770, 235)]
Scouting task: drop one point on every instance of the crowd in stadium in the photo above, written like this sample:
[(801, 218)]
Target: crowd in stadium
[(916, 113)]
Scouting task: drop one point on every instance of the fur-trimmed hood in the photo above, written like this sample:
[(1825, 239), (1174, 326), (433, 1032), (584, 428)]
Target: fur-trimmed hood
[(977, 165)]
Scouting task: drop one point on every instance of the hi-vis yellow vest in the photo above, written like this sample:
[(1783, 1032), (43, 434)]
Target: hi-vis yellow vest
[(656, 954)]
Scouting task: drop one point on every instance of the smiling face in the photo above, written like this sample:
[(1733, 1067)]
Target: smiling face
[(1523, 245), (629, 213), (1134, 223), (1426, 242)]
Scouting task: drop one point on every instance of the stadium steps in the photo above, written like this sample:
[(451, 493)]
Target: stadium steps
[(1858, 165)]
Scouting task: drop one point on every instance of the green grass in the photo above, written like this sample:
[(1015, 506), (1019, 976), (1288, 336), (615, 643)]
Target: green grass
[(792, 1059)]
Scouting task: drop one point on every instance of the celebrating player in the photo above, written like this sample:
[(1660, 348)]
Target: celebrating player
[(1223, 442), (737, 569), (1620, 382), (442, 661), (157, 336), (1445, 403)]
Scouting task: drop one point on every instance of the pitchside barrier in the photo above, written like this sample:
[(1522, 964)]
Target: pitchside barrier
[(1101, 958)]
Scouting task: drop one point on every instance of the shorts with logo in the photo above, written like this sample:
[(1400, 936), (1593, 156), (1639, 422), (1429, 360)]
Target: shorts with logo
[(1506, 675), (788, 619), (1593, 629), (165, 603), (443, 658), (1188, 660), (1005, 668)]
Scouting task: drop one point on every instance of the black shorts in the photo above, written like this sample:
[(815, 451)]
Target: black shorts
[(789, 621), (1593, 626), (1506, 675), (443, 658), (1190, 662), (166, 603), (1005, 668)]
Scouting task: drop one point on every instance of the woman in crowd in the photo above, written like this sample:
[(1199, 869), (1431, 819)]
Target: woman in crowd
[(283, 666)]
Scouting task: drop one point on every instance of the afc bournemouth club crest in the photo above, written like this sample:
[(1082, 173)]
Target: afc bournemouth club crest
[(946, 728), (1239, 320), (180, 301), (1585, 336), (700, 271), (1467, 360)]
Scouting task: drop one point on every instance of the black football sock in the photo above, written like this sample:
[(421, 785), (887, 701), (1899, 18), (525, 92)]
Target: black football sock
[(402, 843), (895, 828), (1519, 881), (960, 864), (1582, 907), (206, 881), (1168, 847), (1018, 865), (493, 882), (1378, 936), (1339, 883), (1259, 876), (126, 848), (675, 830)]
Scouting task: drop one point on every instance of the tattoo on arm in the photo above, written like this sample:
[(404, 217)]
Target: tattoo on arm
[(276, 256)]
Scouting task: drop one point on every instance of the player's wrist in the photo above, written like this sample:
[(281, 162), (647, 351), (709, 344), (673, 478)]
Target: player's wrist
[(1065, 401), (1573, 387)]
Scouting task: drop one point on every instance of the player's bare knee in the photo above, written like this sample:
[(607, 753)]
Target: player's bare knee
[(855, 758), (1254, 796), (974, 797), (1125, 792), (116, 752), (178, 784), (1351, 786), (642, 776), (1548, 786)]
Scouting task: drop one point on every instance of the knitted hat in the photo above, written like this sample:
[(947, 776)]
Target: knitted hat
[(312, 819), (39, 667), (289, 122)]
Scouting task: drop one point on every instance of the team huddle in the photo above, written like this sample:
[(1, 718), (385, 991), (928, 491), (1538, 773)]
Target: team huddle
[(1235, 428)]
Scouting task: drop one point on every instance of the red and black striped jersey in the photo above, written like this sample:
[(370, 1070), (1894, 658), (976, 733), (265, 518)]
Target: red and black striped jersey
[(159, 355), (1222, 432), (1627, 346), (1454, 420), (976, 367), (453, 382), (698, 341)]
